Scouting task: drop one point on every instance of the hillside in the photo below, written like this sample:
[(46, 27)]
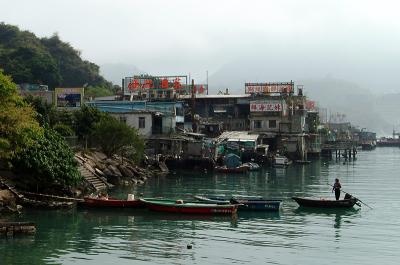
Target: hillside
[(49, 61)]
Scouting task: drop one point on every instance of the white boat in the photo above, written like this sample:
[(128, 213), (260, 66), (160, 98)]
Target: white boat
[(252, 166), (281, 161)]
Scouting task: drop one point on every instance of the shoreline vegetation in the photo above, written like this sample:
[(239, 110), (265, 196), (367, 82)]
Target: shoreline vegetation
[(35, 158), (34, 155)]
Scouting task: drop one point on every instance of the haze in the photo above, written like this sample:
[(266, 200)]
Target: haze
[(235, 41)]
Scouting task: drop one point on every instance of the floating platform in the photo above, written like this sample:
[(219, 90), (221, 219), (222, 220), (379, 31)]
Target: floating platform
[(12, 228)]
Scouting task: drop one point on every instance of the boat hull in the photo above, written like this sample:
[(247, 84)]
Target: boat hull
[(241, 169), (111, 203), (256, 204), (188, 208), (318, 203)]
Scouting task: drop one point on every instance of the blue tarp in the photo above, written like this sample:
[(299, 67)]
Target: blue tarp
[(232, 161)]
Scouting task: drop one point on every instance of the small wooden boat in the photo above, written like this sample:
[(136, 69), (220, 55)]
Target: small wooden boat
[(239, 169), (180, 206), (49, 201), (245, 203), (323, 203), (111, 202)]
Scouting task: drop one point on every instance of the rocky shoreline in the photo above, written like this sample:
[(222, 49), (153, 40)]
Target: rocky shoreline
[(100, 174)]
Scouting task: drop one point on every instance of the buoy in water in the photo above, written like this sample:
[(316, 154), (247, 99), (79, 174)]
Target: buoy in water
[(189, 246)]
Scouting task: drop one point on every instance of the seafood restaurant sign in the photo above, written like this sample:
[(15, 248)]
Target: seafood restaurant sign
[(269, 88), (267, 106)]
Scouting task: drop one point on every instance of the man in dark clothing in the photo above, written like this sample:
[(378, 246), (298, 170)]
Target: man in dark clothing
[(336, 188)]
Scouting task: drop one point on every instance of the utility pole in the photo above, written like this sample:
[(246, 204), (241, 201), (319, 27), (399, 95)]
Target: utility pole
[(207, 80), (194, 125)]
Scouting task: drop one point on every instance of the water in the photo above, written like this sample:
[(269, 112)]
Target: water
[(358, 236)]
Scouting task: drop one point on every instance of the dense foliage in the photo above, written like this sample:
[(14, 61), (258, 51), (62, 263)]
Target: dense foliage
[(48, 162), (17, 120), (115, 137), (85, 120), (40, 153), (48, 61)]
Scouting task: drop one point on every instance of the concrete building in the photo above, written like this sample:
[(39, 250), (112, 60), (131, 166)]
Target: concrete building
[(141, 120), (164, 117)]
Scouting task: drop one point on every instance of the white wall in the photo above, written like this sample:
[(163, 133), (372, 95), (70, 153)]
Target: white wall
[(132, 119)]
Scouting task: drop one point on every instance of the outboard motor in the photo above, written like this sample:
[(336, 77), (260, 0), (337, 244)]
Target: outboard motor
[(233, 201)]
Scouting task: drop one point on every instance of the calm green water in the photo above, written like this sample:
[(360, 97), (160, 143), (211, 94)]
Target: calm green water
[(292, 236)]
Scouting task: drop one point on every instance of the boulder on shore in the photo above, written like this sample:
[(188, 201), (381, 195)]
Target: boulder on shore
[(8, 202)]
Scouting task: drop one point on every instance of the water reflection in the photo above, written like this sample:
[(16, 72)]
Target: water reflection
[(337, 216)]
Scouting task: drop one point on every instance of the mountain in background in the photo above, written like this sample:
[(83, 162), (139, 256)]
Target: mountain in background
[(361, 107), (47, 61), (376, 113)]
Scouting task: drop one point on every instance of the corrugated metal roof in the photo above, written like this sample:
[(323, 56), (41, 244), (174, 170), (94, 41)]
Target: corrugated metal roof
[(238, 135)]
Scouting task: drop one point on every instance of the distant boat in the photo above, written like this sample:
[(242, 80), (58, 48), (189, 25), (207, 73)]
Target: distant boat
[(180, 206), (246, 203), (368, 146), (323, 203)]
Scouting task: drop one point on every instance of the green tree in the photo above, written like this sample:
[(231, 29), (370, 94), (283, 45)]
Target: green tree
[(49, 61), (115, 137), (48, 163), (63, 130), (41, 154), (45, 110), (85, 119), (93, 92), (17, 119)]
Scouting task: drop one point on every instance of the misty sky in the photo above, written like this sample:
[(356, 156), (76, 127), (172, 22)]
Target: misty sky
[(287, 40)]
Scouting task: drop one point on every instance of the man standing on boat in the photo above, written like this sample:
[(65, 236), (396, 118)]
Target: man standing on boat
[(336, 188)]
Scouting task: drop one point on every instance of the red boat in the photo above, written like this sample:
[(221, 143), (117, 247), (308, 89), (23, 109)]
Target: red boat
[(111, 202), (179, 206)]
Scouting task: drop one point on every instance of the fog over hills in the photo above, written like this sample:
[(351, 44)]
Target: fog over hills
[(114, 72), (376, 112)]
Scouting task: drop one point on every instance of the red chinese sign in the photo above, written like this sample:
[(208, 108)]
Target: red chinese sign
[(200, 89), (155, 82), (268, 88), (264, 106)]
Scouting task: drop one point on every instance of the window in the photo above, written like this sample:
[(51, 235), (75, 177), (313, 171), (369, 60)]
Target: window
[(122, 119), (142, 122), (272, 123), (257, 124)]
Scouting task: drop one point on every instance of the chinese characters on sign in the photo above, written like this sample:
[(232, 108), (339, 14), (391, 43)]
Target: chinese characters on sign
[(269, 88), (160, 86), (264, 106), (156, 82)]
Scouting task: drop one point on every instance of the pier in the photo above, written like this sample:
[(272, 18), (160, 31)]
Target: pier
[(341, 148)]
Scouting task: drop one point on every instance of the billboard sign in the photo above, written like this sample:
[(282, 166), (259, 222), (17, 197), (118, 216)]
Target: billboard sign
[(68, 97), (145, 83), (269, 88), (159, 86), (267, 106)]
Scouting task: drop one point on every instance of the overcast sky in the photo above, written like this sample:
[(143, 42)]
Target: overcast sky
[(354, 40)]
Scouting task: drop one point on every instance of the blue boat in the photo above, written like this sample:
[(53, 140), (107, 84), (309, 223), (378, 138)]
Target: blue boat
[(246, 203)]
